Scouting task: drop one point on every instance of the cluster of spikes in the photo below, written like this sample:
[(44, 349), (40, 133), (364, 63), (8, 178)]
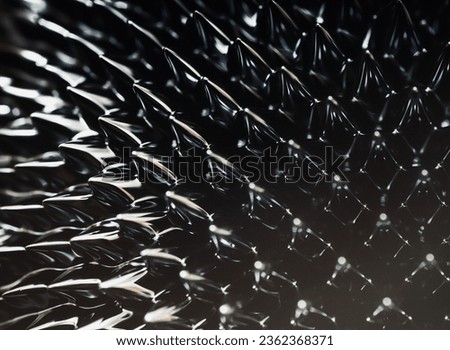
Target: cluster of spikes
[(107, 106)]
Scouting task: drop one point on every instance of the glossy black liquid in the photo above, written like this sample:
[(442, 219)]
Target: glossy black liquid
[(105, 107)]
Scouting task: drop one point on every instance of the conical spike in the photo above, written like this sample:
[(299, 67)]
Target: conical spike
[(185, 75), (103, 243), (92, 104), (59, 128), (121, 133), (371, 87), (151, 103), (245, 64), (394, 35), (87, 154), (221, 107), (76, 206), (186, 135), (441, 76), (276, 26), (213, 41), (287, 89)]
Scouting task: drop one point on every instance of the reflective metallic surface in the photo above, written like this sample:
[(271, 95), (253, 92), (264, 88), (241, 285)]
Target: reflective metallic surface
[(130, 134)]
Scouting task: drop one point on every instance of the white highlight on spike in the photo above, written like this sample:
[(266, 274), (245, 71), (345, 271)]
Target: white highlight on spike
[(225, 309), (258, 265), (387, 301), (302, 304), (4, 109), (297, 222), (445, 123), (184, 274), (342, 260)]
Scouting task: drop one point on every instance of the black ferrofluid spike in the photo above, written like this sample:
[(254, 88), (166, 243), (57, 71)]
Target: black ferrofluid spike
[(224, 165)]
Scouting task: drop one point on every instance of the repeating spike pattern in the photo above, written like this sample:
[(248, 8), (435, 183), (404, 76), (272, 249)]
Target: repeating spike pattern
[(108, 107)]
